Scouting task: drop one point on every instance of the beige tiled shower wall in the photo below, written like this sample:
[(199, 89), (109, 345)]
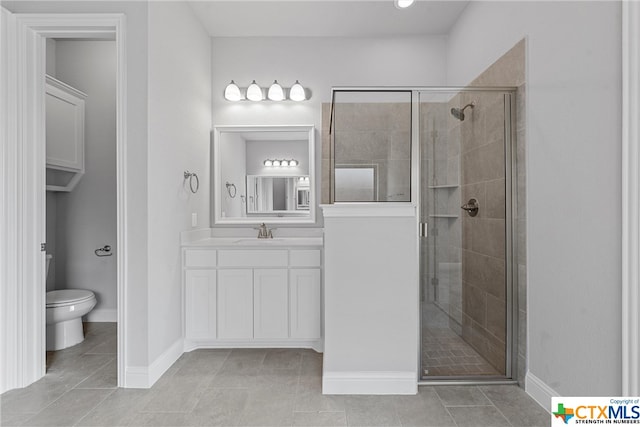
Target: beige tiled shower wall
[(509, 70), (483, 236), (440, 198), (371, 133)]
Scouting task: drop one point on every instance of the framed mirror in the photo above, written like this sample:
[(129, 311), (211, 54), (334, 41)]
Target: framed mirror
[(263, 174)]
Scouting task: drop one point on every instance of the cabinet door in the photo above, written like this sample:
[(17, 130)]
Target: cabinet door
[(200, 304), (271, 303), (305, 303), (235, 304), (64, 107)]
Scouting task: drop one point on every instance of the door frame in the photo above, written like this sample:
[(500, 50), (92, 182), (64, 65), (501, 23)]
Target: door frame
[(630, 318), (23, 217)]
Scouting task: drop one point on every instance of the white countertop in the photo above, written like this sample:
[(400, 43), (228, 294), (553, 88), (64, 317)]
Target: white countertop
[(254, 242)]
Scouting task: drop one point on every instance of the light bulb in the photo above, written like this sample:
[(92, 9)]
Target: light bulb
[(276, 163), (403, 4), (232, 92), (268, 162), (296, 93), (275, 92), (254, 92), (293, 163)]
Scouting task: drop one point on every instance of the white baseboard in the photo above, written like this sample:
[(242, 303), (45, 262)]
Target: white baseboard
[(194, 344), (145, 377), (361, 382), (102, 315), (539, 391)]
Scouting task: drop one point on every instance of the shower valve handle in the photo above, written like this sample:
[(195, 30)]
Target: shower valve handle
[(471, 207)]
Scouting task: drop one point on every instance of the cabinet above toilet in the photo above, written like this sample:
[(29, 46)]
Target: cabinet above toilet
[(64, 106)]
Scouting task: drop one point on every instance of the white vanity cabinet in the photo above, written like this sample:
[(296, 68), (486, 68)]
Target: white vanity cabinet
[(252, 297)]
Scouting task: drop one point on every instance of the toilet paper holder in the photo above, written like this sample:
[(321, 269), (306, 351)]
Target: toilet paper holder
[(103, 251)]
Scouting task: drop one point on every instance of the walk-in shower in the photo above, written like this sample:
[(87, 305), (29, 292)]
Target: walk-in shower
[(449, 152)]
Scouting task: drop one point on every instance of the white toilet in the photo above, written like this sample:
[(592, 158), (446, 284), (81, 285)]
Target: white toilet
[(65, 309)]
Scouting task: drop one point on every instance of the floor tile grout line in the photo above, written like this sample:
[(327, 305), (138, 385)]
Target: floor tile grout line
[(435, 390), (93, 373), (94, 407), (496, 406)]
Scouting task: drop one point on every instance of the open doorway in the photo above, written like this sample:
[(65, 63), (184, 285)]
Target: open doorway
[(81, 210), (23, 221)]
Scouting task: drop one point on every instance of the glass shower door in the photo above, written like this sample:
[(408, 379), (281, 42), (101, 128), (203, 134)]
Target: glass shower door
[(465, 202)]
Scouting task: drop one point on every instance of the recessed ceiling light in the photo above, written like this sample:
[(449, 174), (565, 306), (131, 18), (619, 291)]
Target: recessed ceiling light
[(403, 4)]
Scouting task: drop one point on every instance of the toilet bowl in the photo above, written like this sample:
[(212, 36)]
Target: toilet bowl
[(65, 309)]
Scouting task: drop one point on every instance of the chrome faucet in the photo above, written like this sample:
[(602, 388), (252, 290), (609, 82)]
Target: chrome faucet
[(264, 232)]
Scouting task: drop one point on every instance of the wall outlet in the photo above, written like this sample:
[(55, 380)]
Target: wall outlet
[(194, 219)]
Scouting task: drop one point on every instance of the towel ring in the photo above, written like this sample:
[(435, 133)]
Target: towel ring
[(229, 189), (190, 176)]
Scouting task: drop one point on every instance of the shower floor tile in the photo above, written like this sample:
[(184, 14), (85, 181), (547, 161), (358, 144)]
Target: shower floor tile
[(445, 353)]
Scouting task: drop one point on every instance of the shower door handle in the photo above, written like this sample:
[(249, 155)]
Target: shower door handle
[(423, 229)]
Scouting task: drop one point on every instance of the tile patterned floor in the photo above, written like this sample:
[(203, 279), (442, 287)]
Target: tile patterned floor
[(254, 387)]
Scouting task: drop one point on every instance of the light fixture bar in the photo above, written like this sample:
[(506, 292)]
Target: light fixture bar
[(275, 92), (280, 162)]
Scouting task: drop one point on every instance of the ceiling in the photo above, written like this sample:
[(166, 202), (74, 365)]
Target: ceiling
[(325, 18)]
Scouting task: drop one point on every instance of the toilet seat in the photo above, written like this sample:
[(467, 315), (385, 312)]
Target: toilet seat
[(65, 297)]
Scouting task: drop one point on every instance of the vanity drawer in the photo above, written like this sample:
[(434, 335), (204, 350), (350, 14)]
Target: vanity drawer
[(252, 258), (305, 258), (200, 258)]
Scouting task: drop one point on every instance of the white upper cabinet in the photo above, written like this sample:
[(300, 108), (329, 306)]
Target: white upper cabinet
[(64, 107)]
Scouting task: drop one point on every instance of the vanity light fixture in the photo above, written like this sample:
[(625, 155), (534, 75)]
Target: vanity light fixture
[(403, 4), (254, 92), (280, 162), (297, 93), (276, 93), (232, 92)]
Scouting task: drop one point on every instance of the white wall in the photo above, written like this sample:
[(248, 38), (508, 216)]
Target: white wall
[(319, 64), (233, 152), (86, 217), (574, 157), (179, 139)]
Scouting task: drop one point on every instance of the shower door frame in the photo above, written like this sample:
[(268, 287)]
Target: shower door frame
[(511, 233)]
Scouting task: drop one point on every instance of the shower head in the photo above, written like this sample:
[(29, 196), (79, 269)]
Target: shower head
[(458, 113)]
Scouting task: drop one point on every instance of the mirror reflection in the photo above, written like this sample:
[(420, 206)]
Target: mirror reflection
[(263, 174), (277, 194)]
